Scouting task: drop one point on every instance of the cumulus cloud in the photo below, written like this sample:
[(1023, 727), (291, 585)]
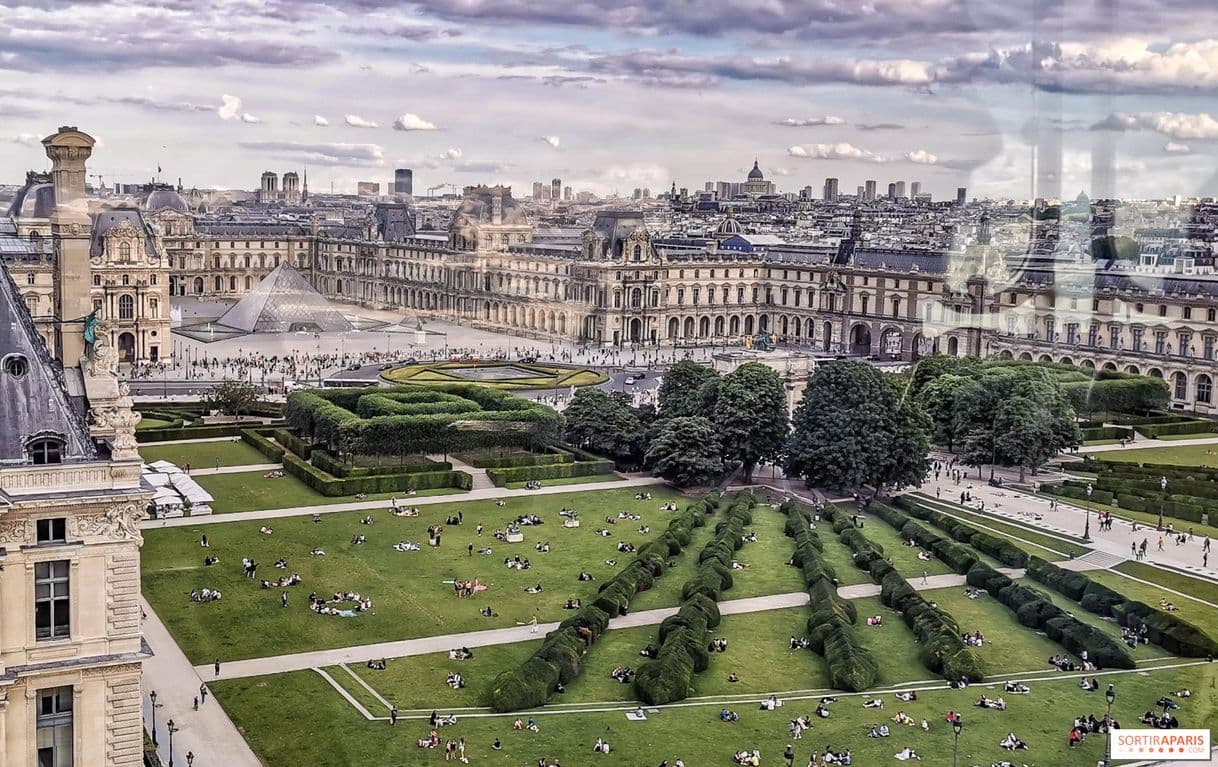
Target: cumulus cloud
[(1176, 125), (355, 121), (452, 153), (365, 155), (809, 122), (320, 121), (841, 151), (1172, 147), (163, 105), (26, 139), (230, 107), (921, 157), (411, 121), (553, 141), (246, 117), (879, 126)]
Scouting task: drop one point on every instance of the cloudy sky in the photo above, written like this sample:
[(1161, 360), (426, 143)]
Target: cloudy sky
[(614, 94)]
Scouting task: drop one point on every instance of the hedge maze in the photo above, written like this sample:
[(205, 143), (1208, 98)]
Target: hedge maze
[(1191, 494)]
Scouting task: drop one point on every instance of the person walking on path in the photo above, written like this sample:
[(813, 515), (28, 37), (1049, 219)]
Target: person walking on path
[(1160, 543), (283, 599), (924, 574), (393, 716), (533, 624), (217, 667), (196, 708), (203, 693)]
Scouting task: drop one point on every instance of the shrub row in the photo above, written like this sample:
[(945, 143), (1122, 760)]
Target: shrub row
[(831, 624), (999, 548), (328, 463), (553, 455), (1106, 432), (192, 432), (502, 477), (293, 443), (683, 637), (559, 660), (263, 445), (957, 556), (1154, 430), (1033, 610), (1078, 491), (381, 483), (1170, 632), (940, 645), (1150, 470)]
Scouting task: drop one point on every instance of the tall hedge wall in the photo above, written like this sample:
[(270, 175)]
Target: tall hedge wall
[(999, 548), (560, 657)]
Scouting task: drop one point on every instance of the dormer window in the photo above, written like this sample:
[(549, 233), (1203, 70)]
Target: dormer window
[(16, 366), (45, 450), (124, 251)]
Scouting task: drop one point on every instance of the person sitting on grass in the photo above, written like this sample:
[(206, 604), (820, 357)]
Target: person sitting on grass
[(1012, 743), (907, 753), (622, 674), (873, 703), (1017, 688), (316, 552), (1185, 693), (601, 747), (1167, 606), (487, 612), (368, 520), (923, 556), (535, 589), (799, 724), (906, 696), (585, 576), (572, 604), (610, 563), (904, 718), (454, 681), (821, 711), (727, 715), (770, 703), (875, 620), (731, 677), (357, 540), (377, 665), (210, 560), (264, 530)]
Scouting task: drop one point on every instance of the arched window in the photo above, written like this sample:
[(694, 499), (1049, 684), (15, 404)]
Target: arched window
[(248, 283), (232, 283), (1205, 389), (124, 251), (247, 261), (126, 308), (1180, 384), (45, 450), (126, 279), (219, 284), (638, 252)]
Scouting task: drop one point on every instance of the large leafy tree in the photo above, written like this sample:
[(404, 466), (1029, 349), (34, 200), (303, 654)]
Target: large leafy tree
[(929, 368), (750, 413), (851, 430), (231, 397), (681, 390), (603, 424), (1023, 399), (938, 399), (686, 452)]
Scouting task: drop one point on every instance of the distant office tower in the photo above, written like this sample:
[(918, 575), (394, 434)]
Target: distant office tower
[(539, 190), (403, 181), (869, 193), (830, 189), (556, 189), (568, 194), (859, 192), (961, 195), (915, 188), (646, 193), (291, 186), (710, 186), (900, 189), (270, 185), (638, 193), (892, 191), (368, 188)]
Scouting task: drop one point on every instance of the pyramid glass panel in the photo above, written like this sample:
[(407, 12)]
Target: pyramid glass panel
[(284, 302)]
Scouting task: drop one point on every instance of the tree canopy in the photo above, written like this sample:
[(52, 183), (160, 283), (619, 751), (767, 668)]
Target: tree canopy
[(750, 413), (681, 390), (851, 430), (604, 424), (686, 452), (231, 397)]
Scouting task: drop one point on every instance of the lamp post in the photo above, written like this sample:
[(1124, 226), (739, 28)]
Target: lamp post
[(171, 730), (957, 726), (190, 759), (152, 697), (1109, 696), (1163, 488), (1087, 526)]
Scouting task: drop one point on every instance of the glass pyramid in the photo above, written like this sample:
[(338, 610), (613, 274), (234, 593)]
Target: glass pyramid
[(284, 302)]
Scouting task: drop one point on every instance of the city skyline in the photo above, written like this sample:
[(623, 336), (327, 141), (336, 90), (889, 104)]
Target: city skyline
[(613, 96)]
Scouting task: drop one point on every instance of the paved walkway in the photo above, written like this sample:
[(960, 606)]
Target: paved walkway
[(238, 469), (1142, 443), (360, 654), (331, 508), (480, 480), (208, 732), (194, 440)]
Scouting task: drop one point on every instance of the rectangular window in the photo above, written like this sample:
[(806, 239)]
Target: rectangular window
[(53, 530), (52, 604), (1207, 348), (1160, 343), (54, 727)]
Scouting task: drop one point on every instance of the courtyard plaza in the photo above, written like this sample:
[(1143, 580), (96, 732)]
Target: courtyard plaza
[(330, 689)]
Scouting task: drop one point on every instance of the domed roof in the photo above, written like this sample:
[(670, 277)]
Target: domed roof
[(34, 200), (478, 206), (729, 226), (755, 174), (166, 198)]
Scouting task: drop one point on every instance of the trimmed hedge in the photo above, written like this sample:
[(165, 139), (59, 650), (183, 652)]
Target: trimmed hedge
[(1154, 430), (293, 443), (1033, 610), (1093, 433), (560, 657), (999, 548), (1173, 634), (553, 455), (941, 647), (339, 468), (684, 636), (563, 470), (193, 432), (830, 626), (957, 556), (381, 483), (263, 445)]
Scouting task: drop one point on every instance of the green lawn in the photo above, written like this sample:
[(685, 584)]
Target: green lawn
[(407, 589), (1009, 646), (1183, 455), (203, 455), (251, 491), (296, 718), (1183, 437), (1207, 590), (904, 558), (151, 423), (1201, 615)]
